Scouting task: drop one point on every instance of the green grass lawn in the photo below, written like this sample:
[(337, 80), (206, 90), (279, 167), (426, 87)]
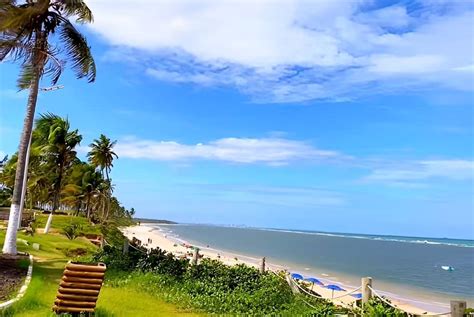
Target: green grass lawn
[(50, 260), (60, 221)]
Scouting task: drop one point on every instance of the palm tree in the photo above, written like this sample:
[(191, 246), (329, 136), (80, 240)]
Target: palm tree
[(102, 156), (73, 193), (25, 36), (91, 184), (58, 142)]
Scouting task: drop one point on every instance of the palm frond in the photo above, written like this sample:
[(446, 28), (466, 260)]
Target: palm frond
[(54, 67), (77, 8), (27, 74), (15, 18), (43, 126), (14, 45), (78, 51)]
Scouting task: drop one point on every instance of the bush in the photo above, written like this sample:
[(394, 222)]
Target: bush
[(72, 230), (377, 308), (114, 258), (211, 286), (161, 262)]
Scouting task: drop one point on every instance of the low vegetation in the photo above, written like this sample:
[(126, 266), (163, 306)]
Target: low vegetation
[(377, 308), (210, 286)]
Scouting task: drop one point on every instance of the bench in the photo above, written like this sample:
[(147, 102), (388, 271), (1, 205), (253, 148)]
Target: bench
[(79, 288)]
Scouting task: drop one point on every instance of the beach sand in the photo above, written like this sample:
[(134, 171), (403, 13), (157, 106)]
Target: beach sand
[(180, 247)]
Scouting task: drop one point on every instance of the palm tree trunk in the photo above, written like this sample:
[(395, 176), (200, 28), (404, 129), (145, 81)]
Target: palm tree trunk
[(88, 207), (9, 247), (109, 194), (47, 227), (25, 181)]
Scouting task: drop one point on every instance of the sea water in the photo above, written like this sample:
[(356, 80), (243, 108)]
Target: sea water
[(410, 265)]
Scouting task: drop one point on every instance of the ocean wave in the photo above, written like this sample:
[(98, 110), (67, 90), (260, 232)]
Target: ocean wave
[(427, 241), (375, 238)]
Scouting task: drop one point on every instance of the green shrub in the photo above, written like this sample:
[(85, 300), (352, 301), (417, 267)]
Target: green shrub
[(377, 308), (210, 286), (72, 230), (161, 262), (113, 257)]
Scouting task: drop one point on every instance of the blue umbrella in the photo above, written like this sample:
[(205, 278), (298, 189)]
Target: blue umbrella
[(357, 295), (296, 276), (334, 288), (313, 280)]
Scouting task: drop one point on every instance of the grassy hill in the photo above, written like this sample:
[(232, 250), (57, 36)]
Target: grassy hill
[(55, 251)]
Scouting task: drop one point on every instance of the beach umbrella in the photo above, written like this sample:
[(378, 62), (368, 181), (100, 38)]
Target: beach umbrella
[(334, 288), (296, 276), (357, 295), (314, 280)]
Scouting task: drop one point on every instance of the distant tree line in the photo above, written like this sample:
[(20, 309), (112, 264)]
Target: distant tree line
[(58, 180)]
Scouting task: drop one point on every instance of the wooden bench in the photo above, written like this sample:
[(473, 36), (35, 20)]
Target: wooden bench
[(79, 288)]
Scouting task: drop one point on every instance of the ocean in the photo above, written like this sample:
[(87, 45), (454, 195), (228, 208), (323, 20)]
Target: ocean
[(402, 267)]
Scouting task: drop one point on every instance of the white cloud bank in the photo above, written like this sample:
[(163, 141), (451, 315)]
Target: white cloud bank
[(294, 50), (422, 170), (270, 151)]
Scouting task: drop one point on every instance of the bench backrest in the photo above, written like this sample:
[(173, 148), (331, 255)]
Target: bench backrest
[(79, 288)]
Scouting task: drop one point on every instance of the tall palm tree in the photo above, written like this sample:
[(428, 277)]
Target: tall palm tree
[(91, 184), (58, 143), (25, 36), (102, 156)]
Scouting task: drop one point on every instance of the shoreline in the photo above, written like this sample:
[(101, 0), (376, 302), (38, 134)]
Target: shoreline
[(402, 296), (181, 247)]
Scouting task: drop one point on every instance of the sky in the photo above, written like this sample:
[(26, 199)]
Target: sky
[(342, 116)]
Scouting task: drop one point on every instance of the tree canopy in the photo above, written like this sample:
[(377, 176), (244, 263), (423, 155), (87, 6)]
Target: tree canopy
[(58, 179)]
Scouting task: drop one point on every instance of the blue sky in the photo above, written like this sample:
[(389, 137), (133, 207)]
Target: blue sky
[(334, 116)]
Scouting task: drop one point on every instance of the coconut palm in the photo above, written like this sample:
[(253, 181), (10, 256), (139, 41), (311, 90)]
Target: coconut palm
[(57, 142), (91, 184), (102, 156), (26, 31)]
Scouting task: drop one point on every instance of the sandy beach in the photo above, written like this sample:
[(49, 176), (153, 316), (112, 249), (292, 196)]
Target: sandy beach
[(151, 237)]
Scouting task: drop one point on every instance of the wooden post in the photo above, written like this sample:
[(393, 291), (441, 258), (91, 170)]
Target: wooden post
[(125, 246), (366, 291), (457, 308), (195, 256), (262, 266)]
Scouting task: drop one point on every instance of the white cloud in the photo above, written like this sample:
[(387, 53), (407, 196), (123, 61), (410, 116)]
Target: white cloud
[(423, 170), (389, 17), (292, 50), (389, 64), (270, 151)]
